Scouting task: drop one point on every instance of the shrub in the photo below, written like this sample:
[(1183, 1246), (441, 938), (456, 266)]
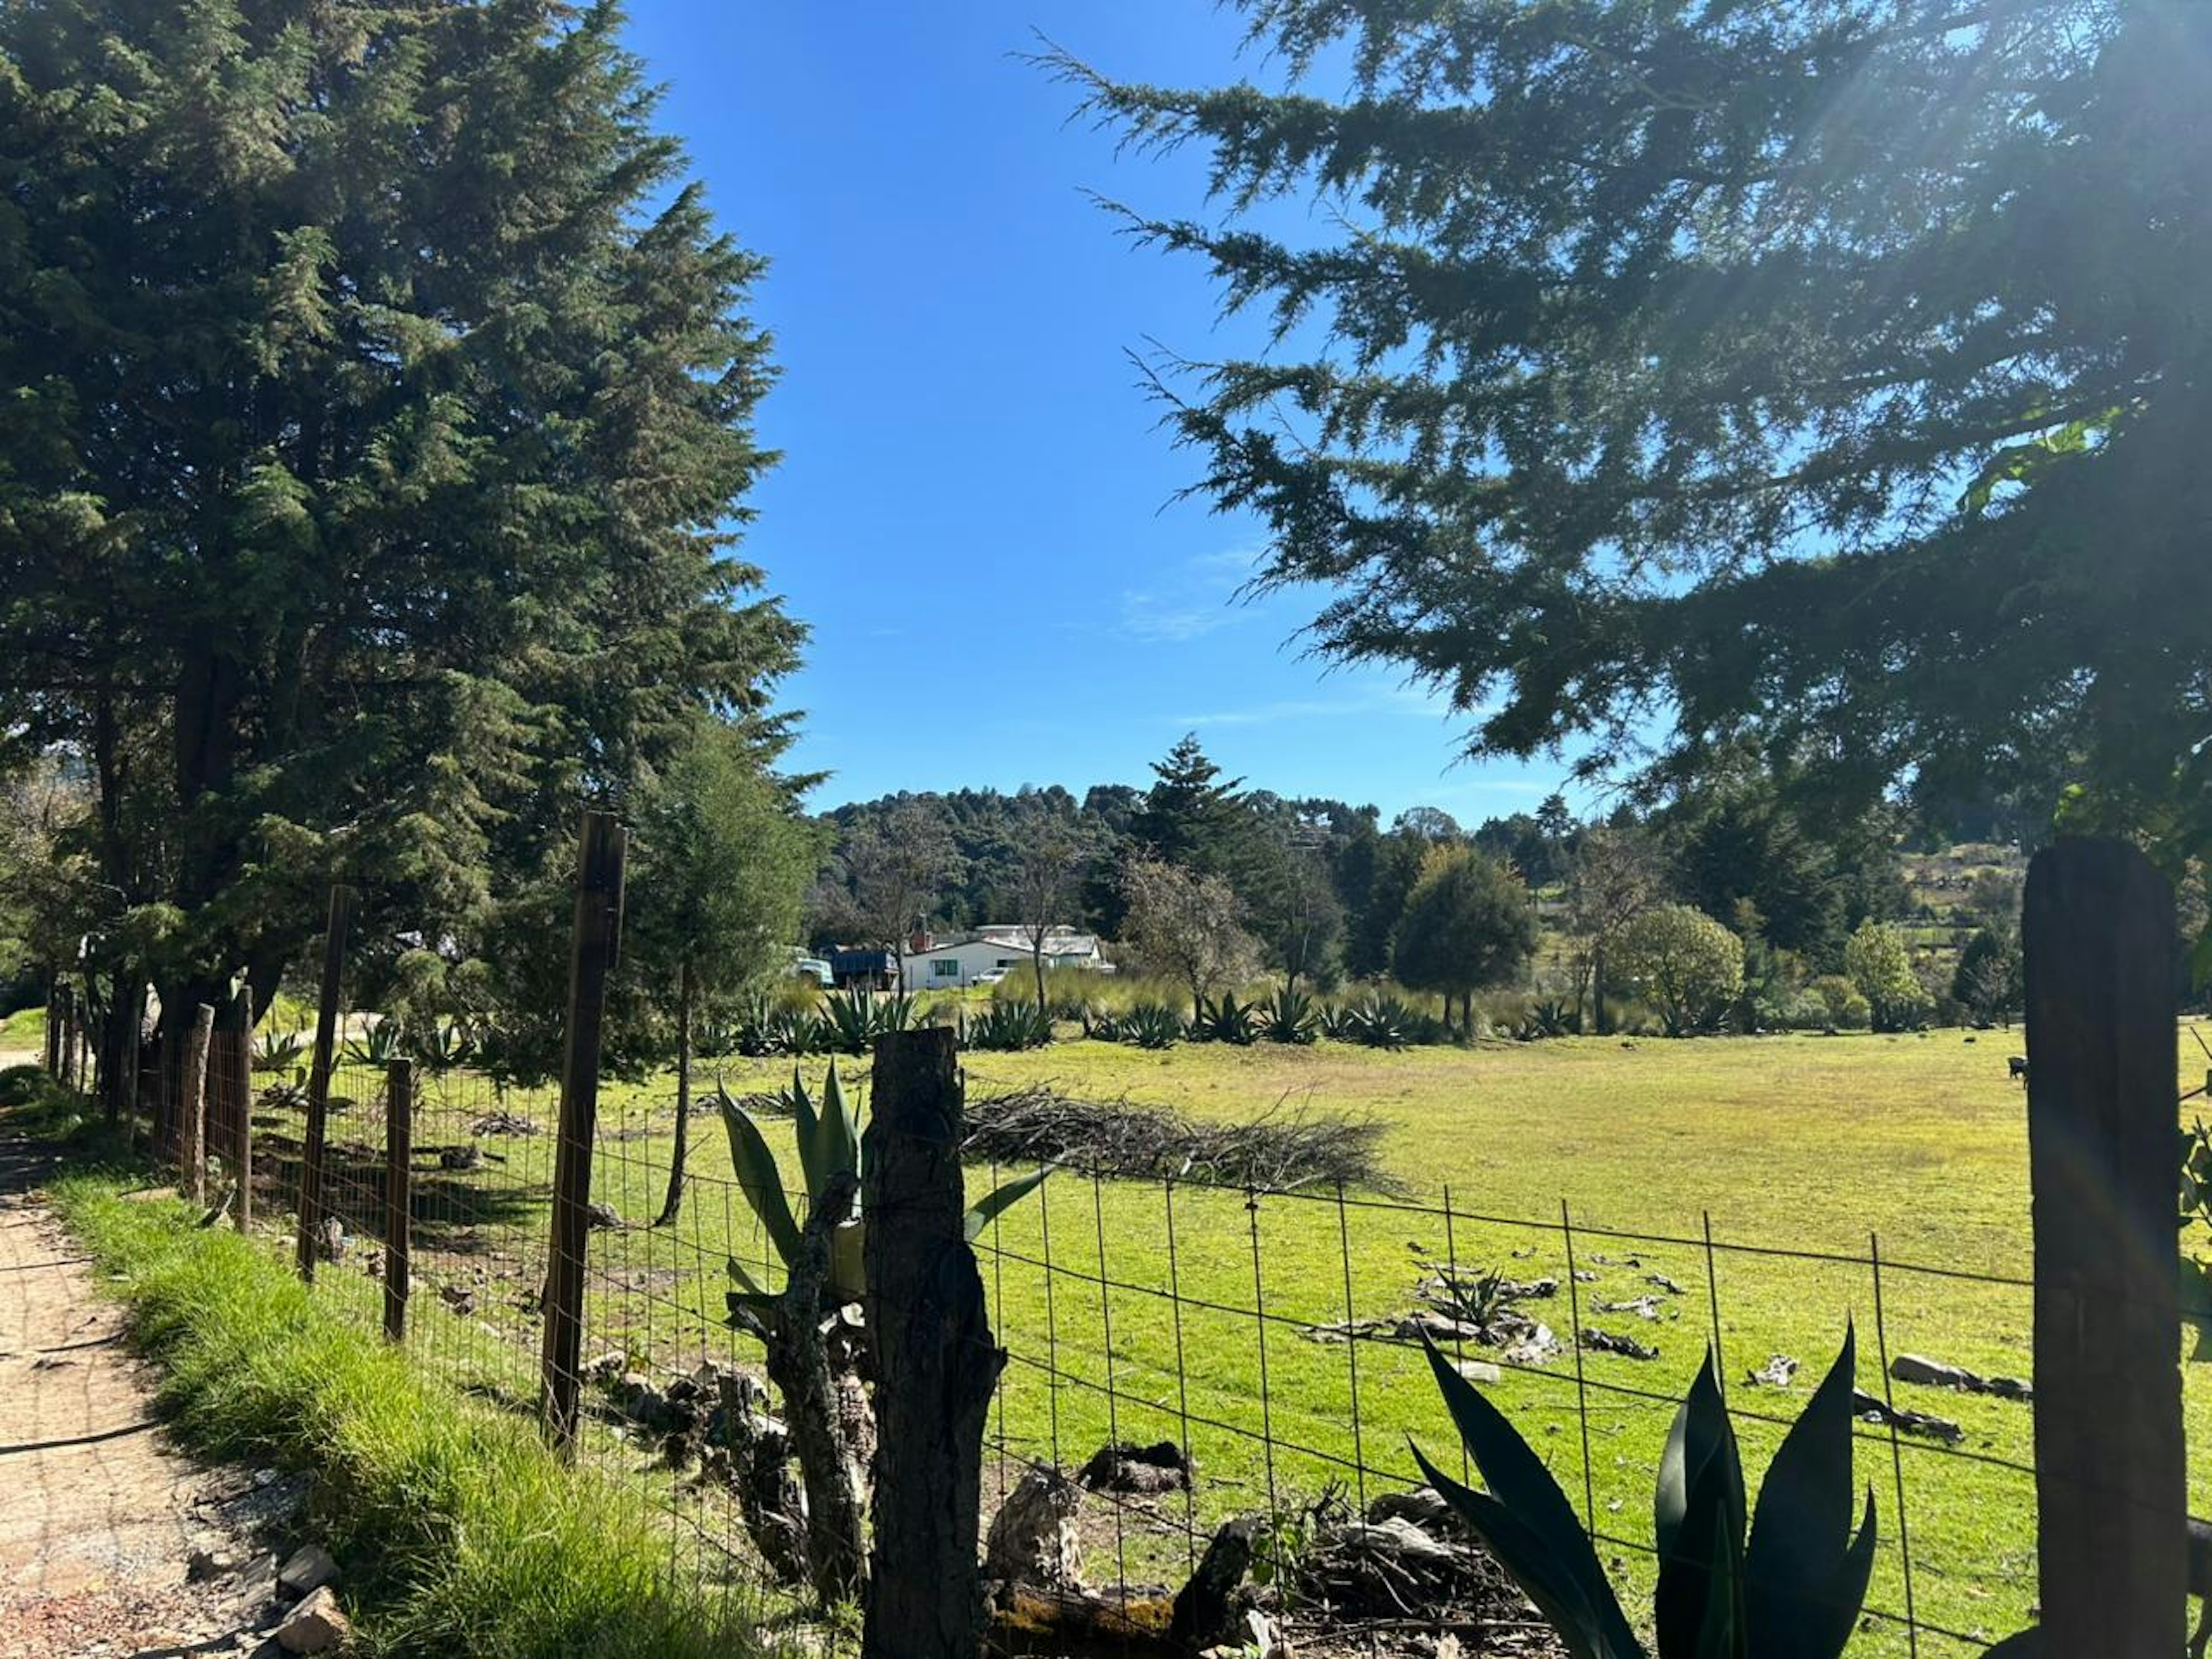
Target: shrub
[(1005, 1027), (1290, 1017), (1880, 963), (1224, 1019), (1687, 965), (1841, 1006), (851, 1021)]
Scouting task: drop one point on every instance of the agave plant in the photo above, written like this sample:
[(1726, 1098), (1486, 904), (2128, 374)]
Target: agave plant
[(377, 1045), (1225, 1020), (1378, 1023), (1005, 1027), (851, 1020), (441, 1045), (279, 1051), (1786, 1582), (1150, 1025), (1290, 1016), (1548, 1018), (829, 1145)]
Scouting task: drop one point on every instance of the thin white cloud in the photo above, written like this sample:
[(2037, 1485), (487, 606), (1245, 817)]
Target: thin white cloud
[(1198, 598), (1393, 701)]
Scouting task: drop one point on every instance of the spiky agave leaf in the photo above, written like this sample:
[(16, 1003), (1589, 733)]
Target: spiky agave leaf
[(758, 1176), (837, 1150), (986, 1210), (1527, 1523), (1805, 1574), (1699, 1438), (749, 1296), (806, 1123), (1697, 1608)]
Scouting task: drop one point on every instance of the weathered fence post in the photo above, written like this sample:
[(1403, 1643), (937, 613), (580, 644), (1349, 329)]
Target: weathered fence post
[(597, 939), (319, 1078), (193, 1155), (52, 1057), (241, 1091), (398, 1173), (936, 1362), (130, 1022), (64, 1032), (2100, 938)]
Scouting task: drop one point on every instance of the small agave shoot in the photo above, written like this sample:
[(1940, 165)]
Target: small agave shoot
[(810, 1329), (1786, 1582)]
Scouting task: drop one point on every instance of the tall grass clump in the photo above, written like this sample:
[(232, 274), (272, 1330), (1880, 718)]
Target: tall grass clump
[(462, 1531)]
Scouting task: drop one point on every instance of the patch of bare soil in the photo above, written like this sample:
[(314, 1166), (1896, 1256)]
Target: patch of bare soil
[(112, 1543)]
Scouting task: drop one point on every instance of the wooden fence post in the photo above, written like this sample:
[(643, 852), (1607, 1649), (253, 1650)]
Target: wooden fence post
[(193, 1155), (52, 1057), (595, 945), (319, 1078), (129, 1037), (240, 1088), (2100, 937), (936, 1361), (64, 1006), (398, 1175)]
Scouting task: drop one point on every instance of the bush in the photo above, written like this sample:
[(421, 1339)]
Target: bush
[(1687, 965), (1880, 963), (1007, 1027), (1842, 1008)]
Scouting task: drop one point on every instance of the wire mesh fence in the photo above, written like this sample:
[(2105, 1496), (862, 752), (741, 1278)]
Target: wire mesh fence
[(1250, 1352)]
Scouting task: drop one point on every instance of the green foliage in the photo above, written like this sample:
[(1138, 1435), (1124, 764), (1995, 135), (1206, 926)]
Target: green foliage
[(829, 1145), (850, 1021), (1990, 979), (364, 508), (1548, 1017), (1224, 1019), (439, 1045), (1468, 924), (279, 1051), (1007, 1027), (1147, 1025), (377, 1046), (1182, 924), (1600, 398), (1376, 1022), (1844, 1006), (1786, 1582), (1290, 1016), (2197, 1235), (462, 1531), (1879, 964), (1687, 965)]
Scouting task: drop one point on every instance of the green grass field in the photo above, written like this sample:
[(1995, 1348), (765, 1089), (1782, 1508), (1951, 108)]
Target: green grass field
[(1810, 1145)]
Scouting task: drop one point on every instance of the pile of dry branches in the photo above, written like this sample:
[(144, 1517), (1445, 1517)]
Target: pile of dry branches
[(1286, 1149)]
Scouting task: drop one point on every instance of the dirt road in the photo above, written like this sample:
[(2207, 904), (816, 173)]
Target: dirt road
[(99, 1519)]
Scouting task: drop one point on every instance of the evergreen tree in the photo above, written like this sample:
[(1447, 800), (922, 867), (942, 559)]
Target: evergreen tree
[(1192, 816), (378, 404), (1468, 925), (1834, 371)]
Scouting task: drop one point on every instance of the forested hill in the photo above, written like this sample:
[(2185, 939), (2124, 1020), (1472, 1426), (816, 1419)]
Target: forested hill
[(1736, 848)]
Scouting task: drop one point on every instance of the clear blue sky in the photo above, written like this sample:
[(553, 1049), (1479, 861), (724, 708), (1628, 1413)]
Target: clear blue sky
[(976, 512)]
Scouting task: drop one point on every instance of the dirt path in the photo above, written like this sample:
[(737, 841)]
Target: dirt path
[(99, 1519)]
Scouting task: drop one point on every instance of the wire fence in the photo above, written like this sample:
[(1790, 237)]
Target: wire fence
[(1251, 1353)]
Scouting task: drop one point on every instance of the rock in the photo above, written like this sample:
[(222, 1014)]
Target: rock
[(1776, 1373), (217, 1560), (1122, 1467), (607, 1367), (330, 1239), (1207, 1608), (1480, 1370), (1934, 1374), (1626, 1346), (308, 1570), (1423, 1507), (1033, 1538), (1643, 1307), (602, 1215), (1398, 1538), (1922, 1423), (315, 1625), (1664, 1284)]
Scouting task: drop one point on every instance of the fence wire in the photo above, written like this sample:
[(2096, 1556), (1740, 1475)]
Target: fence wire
[(1262, 1347)]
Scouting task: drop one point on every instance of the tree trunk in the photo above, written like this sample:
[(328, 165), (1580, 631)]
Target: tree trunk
[(674, 1202), (1036, 956), (1597, 990)]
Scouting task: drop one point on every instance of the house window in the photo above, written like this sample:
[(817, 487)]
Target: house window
[(1006, 962), (945, 968)]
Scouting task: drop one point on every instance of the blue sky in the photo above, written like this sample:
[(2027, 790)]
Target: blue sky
[(976, 512)]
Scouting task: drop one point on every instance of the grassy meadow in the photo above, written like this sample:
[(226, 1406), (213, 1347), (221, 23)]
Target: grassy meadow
[(1817, 1145)]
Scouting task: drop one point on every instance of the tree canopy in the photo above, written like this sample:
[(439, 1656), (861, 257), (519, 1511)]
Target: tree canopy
[(1468, 925), (377, 422), (1835, 372)]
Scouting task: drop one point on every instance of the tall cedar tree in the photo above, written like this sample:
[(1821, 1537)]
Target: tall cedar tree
[(1836, 371), (377, 412)]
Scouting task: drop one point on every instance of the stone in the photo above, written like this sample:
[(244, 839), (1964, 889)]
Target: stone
[(207, 1561), (1033, 1538), (1422, 1507), (1480, 1370), (308, 1569), (1776, 1373), (1913, 1368), (607, 1367), (315, 1625)]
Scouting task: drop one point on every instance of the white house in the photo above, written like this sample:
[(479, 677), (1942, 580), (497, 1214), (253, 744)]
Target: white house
[(954, 965)]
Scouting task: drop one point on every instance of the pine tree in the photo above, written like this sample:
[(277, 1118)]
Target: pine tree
[(1834, 371), (1193, 816), (378, 404)]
